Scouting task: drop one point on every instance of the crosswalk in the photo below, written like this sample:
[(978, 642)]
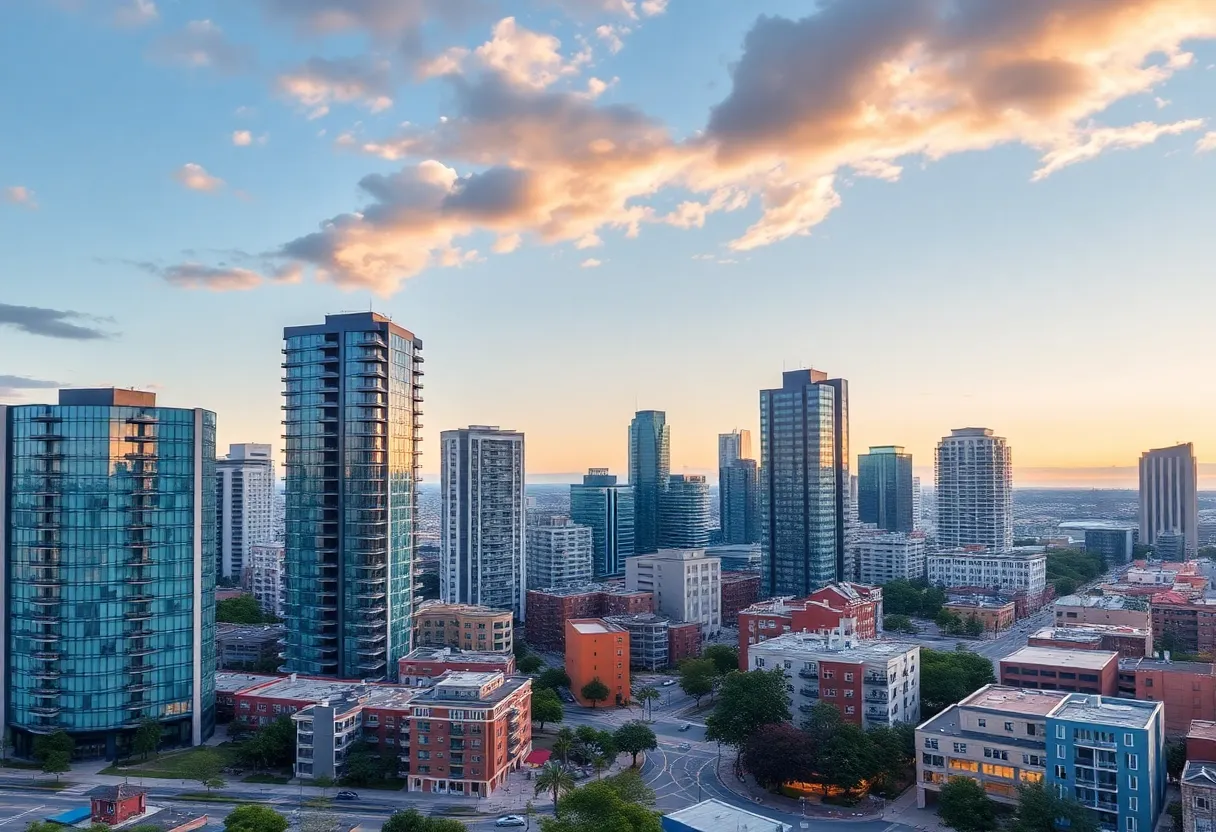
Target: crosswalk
[(78, 788)]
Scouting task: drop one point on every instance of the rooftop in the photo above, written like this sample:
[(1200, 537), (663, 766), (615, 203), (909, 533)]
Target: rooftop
[(1202, 729), (587, 589), (638, 618), (308, 690), (980, 603), (448, 654), (833, 648), (1015, 700), (592, 626), (259, 633), (715, 816), (1060, 657), (120, 792), (509, 686), (1199, 773), (442, 608), (1104, 602), (1023, 553), (1107, 710), (1089, 632), (235, 682), (1097, 526), (1134, 664)]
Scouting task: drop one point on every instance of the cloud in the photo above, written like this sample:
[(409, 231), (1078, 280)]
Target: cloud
[(20, 195), (507, 243), (515, 54), (611, 35), (51, 323), (220, 278), (653, 7), (195, 177), (1207, 144), (202, 44), (397, 22), (136, 13), (591, 263), (321, 82), (26, 383), (242, 138), (1091, 143)]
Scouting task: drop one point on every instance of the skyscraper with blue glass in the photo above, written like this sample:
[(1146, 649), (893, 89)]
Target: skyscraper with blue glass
[(607, 507), (108, 519), (884, 488), (353, 402), (649, 469)]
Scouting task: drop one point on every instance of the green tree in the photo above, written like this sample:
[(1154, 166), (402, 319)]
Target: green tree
[(1175, 759), (204, 765), (529, 664), (646, 696), (894, 750), (842, 753), (725, 658), (974, 627), (56, 763), (1174, 810), (634, 738), (563, 744), (901, 597), (631, 787), (697, 678), (1065, 586), (271, 746), (747, 702), (546, 707), (1040, 809), (363, 766), (931, 600), (778, 753), (243, 609), (554, 779), (411, 820), (899, 624), (59, 741), (595, 691), (948, 676), (964, 806), (598, 807), (252, 817), (147, 738), (552, 678)]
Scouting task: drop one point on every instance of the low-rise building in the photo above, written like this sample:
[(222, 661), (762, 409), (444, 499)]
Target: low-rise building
[(1128, 642), (1049, 668), (550, 609), (1187, 689), (853, 609), (994, 613), (687, 585), (1121, 610), (422, 666), (684, 641), (463, 626), (1188, 623), (715, 816), (265, 574), (649, 639), (228, 685), (560, 553), (739, 591), (1199, 796), (870, 682), (249, 646), (598, 650), (885, 557), (1014, 571), (1201, 740)]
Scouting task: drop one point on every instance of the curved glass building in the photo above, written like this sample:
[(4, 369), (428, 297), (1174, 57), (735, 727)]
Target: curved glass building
[(109, 591)]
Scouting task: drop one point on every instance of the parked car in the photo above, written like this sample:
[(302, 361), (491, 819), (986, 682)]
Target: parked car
[(346, 794), (685, 746), (685, 726), (510, 820), (669, 683)]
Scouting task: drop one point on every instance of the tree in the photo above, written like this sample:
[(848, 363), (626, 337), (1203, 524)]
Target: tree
[(595, 691), (253, 817), (748, 701), (947, 677), (778, 753), (931, 600), (1065, 586), (59, 741), (243, 609), (899, 624), (56, 763), (1040, 809), (646, 696), (964, 806), (552, 678), (841, 752), (631, 787), (564, 744), (546, 707), (901, 597), (1175, 760), (203, 765), (974, 627), (363, 766), (599, 807), (1174, 810), (529, 664), (554, 779), (725, 658), (519, 649), (271, 746), (411, 820), (147, 738), (894, 753), (697, 678), (634, 738)]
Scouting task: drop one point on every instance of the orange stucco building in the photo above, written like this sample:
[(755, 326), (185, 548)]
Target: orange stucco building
[(597, 649)]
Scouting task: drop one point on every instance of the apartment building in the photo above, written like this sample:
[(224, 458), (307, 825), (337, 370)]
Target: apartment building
[(249, 647), (463, 626), (974, 477), (598, 649), (869, 682), (1169, 499), (1199, 778), (1049, 668), (656, 642), (425, 664), (1187, 689), (550, 609), (994, 613), (891, 556), (739, 591), (687, 585), (1017, 571), (266, 574), (1128, 642), (854, 609), (1189, 622), (245, 484), (559, 554), (1119, 610)]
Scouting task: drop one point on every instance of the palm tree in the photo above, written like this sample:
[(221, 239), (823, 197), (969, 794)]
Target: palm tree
[(599, 762), (563, 744), (554, 778), (647, 695)]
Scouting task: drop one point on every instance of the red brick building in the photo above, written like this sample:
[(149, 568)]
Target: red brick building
[(427, 663), (854, 608), (1128, 642), (683, 641), (549, 610), (1188, 689), (739, 591), (1190, 623), (1047, 668), (115, 804), (1201, 740)]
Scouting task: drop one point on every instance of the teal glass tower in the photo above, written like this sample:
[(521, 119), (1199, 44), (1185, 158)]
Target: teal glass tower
[(884, 488), (649, 469), (607, 507), (353, 404), (109, 590)]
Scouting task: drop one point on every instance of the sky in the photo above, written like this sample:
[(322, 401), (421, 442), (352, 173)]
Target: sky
[(981, 214)]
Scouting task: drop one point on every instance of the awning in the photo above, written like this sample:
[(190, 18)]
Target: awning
[(538, 757), (72, 816)]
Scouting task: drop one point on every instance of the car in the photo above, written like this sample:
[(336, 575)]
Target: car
[(510, 820), (669, 683), (685, 746), (685, 726), (346, 795)]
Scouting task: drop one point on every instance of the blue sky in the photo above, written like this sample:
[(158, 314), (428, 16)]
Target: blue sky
[(583, 206)]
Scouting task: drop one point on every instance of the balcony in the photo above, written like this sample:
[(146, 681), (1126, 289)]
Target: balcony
[(808, 674), (811, 692), (875, 696), (806, 709), (874, 679)]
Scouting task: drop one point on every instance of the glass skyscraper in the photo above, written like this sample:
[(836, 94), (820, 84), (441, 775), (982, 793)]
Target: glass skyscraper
[(884, 488), (649, 468), (804, 482), (605, 506), (109, 592), (684, 513), (353, 402), (740, 501)]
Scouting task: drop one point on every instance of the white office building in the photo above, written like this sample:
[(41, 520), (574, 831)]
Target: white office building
[(560, 554), (265, 574), (1017, 571), (244, 505), (1169, 500), (687, 585), (483, 522), (890, 556), (974, 471)]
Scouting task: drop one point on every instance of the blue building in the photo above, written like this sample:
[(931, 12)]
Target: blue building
[(684, 512), (1109, 755), (884, 488), (649, 470), (608, 508), (352, 405), (108, 519)]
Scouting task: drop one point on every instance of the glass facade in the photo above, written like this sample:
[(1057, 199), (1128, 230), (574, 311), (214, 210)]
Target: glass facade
[(608, 509), (352, 400), (804, 494), (684, 513), (110, 584), (738, 485), (649, 468), (884, 488)]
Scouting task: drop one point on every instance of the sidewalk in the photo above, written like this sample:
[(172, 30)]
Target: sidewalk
[(903, 810), (869, 809)]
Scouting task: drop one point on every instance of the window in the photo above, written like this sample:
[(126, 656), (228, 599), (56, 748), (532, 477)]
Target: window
[(760, 662), (1127, 739), (1033, 760), (1060, 751), (930, 743), (1133, 782), (1061, 773), (1201, 802), (1030, 729), (829, 674), (1009, 726), (1059, 732), (848, 693), (1148, 683), (1004, 772), (848, 677), (1132, 760), (1131, 824), (849, 709), (964, 765), (1133, 804), (983, 723), (996, 754)]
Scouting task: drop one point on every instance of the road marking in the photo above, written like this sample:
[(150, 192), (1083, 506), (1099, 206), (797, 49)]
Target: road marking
[(18, 817)]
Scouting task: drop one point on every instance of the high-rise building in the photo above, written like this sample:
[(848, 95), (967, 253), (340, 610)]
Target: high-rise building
[(684, 512), (353, 402), (608, 508), (685, 583), (884, 488), (244, 506), (107, 513), (483, 521), (917, 517), (559, 554), (974, 471), (739, 490), (804, 482), (267, 576), (733, 447), (1169, 499), (649, 468)]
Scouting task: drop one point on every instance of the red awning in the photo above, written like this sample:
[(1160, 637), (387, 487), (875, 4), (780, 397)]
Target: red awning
[(538, 757)]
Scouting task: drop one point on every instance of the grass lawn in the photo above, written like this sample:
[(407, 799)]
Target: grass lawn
[(173, 765), (23, 765), (394, 784), (269, 779)]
